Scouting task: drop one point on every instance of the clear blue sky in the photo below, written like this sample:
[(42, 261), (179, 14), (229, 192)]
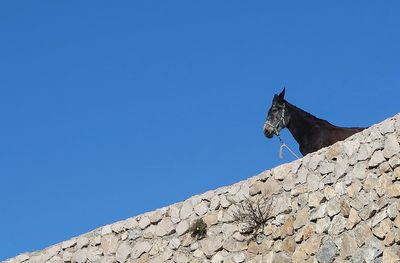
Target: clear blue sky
[(111, 109)]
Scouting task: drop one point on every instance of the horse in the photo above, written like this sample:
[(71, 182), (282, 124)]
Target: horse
[(310, 132)]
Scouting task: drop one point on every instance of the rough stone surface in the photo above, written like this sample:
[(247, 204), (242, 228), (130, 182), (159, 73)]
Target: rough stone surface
[(339, 204)]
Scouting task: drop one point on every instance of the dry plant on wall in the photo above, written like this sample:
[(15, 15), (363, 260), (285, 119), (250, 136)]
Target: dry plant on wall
[(199, 229), (252, 214)]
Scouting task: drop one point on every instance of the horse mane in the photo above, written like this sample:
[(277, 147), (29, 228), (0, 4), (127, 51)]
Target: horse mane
[(309, 116)]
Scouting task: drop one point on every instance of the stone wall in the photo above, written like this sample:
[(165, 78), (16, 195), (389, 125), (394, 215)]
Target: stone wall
[(340, 204)]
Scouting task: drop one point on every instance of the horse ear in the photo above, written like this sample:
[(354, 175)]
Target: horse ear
[(281, 96), (275, 99)]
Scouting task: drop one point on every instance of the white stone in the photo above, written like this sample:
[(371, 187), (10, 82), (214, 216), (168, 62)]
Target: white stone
[(144, 222), (68, 243), (351, 147), (174, 214), (174, 243), (123, 252), (201, 208), (313, 182), (391, 147), (376, 159), (80, 256), (139, 248), (165, 227), (109, 244), (186, 210), (82, 242), (387, 126), (105, 230), (182, 228), (364, 152)]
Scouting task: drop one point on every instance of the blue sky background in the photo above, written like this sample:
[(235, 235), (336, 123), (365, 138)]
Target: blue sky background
[(110, 109)]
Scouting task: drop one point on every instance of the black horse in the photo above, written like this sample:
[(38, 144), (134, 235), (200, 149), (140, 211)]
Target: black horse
[(309, 131)]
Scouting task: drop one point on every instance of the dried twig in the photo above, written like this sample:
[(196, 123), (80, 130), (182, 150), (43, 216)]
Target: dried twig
[(253, 213)]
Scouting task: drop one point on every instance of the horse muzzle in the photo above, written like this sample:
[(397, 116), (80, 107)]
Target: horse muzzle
[(268, 131)]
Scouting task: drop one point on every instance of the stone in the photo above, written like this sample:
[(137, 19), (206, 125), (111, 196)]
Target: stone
[(82, 242), (255, 188), (394, 162), (353, 219), (174, 213), (186, 210), (174, 243), (387, 126), (288, 227), (68, 243), (149, 232), (109, 244), (334, 151), (139, 248), (105, 230), (201, 208), (144, 222), (239, 257), (391, 255), (134, 234), (281, 171), (350, 147), (94, 254), (393, 190), (225, 203), (315, 198), (123, 252), (165, 227), (397, 221), (396, 173), (348, 244), (314, 161), (376, 159), (344, 207), (156, 216), (198, 253), (271, 187), (312, 182), (362, 233), (308, 231), (288, 245), (302, 217), (281, 258), (364, 152), (382, 185), (311, 246), (327, 168), (382, 229), (209, 246), (333, 207), (329, 192), (337, 226), (379, 217), (217, 258), (231, 245), (322, 225), (393, 210), (319, 212), (80, 256), (299, 256), (327, 252), (182, 228), (281, 204)]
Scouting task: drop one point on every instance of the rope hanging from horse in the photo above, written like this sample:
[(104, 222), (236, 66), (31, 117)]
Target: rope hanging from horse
[(283, 145)]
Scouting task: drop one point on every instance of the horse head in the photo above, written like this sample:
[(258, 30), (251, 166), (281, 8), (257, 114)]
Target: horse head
[(277, 117)]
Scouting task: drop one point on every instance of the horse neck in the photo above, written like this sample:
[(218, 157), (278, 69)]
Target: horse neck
[(301, 123)]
